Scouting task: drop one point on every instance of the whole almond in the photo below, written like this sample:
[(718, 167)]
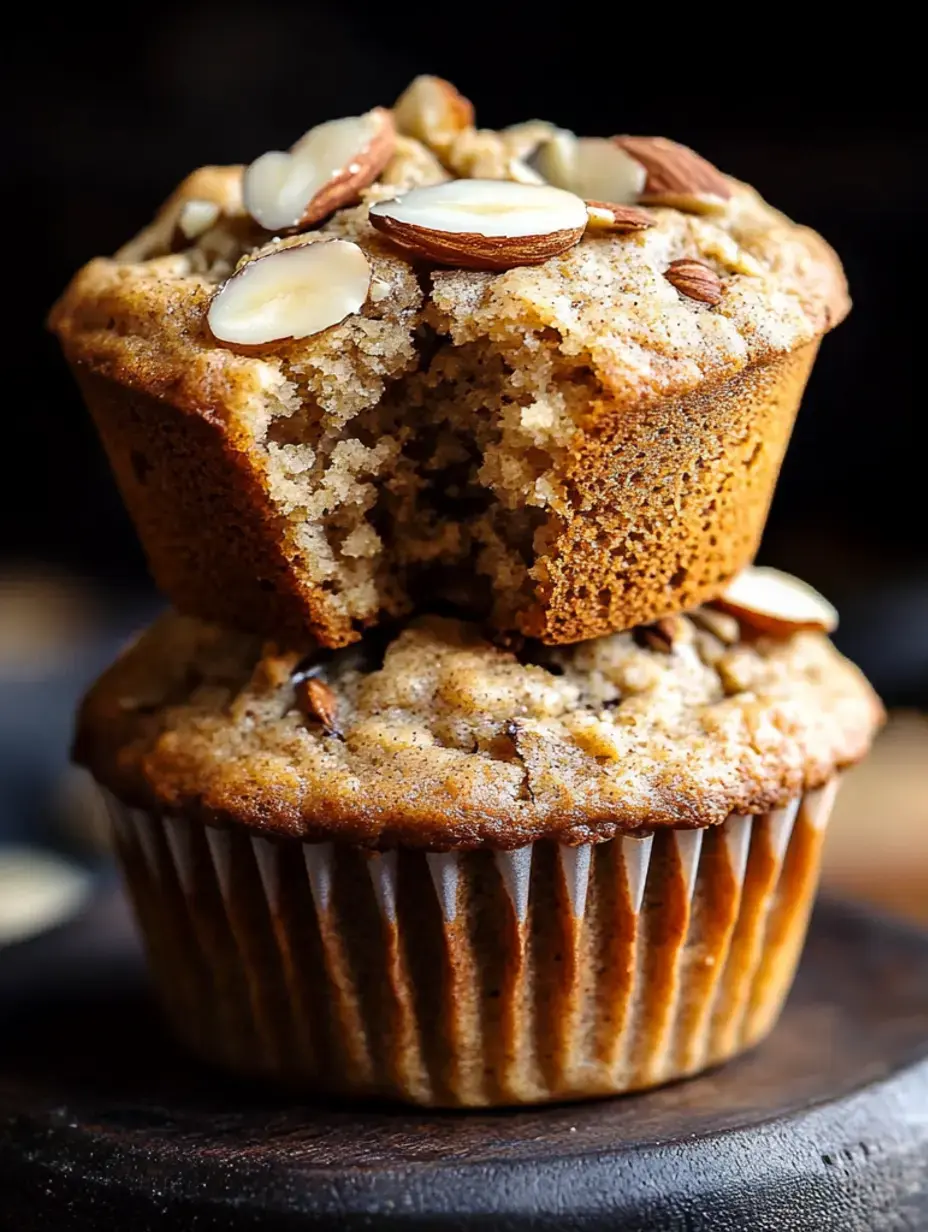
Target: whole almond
[(325, 170), (695, 280), (604, 216), (483, 224), (676, 175)]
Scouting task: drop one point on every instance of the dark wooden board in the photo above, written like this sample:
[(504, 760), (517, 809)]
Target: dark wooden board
[(104, 1124)]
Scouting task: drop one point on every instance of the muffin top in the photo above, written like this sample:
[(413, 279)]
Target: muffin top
[(625, 302), (433, 736)]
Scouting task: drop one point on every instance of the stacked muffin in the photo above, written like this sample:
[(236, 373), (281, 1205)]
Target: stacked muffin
[(475, 765)]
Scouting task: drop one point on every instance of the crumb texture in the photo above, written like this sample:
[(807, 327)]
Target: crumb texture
[(595, 447), (435, 737)]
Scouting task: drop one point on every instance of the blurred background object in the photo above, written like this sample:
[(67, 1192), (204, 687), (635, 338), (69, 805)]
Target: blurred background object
[(877, 846), (112, 109), (37, 891)]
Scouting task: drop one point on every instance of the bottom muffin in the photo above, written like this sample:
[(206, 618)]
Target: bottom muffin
[(437, 870)]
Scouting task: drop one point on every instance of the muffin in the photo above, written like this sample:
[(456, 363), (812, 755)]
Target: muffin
[(439, 870), (564, 370)]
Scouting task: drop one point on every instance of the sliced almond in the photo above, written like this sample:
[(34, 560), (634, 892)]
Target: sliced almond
[(433, 111), (481, 154), (326, 169), (483, 224), (196, 217), (604, 216), (522, 140), (676, 175), (319, 703), (592, 167), (773, 602), (291, 292), (661, 636), (520, 171), (695, 280), (721, 625)]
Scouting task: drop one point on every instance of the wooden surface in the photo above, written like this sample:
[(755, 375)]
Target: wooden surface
[(103, 1124)]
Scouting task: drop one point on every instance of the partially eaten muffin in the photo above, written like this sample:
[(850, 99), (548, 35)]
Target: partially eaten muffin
[(327, 400)]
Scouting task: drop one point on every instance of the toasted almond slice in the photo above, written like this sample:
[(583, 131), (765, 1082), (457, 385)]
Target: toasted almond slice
[(523, 140), (292, 292), (721, 625), (196, 217), (778, 603), (676, 175), (433, 111), (483, 224), (319, 703), (661, 635), (604, 216), (519, 170), (326, 169), (592, 167)]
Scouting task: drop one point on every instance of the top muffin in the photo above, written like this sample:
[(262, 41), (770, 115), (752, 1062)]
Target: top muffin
[(327, 396)]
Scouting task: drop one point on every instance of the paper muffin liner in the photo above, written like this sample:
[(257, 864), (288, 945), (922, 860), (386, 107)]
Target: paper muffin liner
[(475, 978)]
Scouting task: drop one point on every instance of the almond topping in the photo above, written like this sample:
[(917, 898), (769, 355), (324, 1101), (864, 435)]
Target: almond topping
[(326, 169), (695, 280), (317, 701), (594, 168), (522, 140), (197, 216), (291, 292), (661, 635), (432, 111), (777, 603), (483, 224), (604, 216), (676, 175), (720, 625)]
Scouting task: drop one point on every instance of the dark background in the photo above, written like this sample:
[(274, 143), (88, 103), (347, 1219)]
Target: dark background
[(108, 109)]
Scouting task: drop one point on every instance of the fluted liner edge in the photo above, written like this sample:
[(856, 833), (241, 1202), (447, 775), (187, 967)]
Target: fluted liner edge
[(474, 978)]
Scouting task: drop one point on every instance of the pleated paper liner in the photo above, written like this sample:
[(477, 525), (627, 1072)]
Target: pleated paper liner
[(478, 978)]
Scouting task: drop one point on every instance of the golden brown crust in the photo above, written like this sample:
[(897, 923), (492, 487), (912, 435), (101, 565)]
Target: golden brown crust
[(661, 421), (705, 465), (455, 743), (213, 539)]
